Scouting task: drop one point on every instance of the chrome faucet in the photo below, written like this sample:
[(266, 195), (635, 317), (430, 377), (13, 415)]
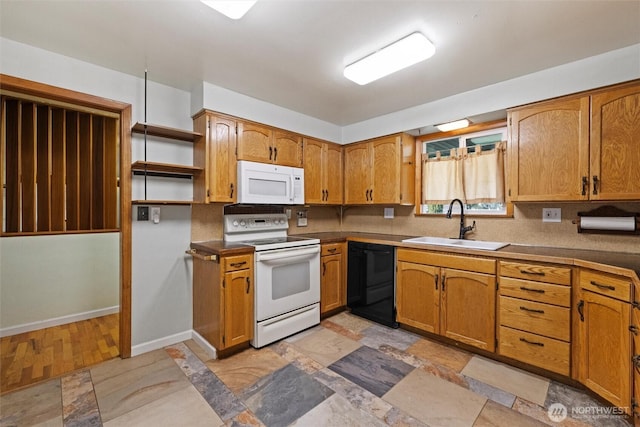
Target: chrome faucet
[(463, 229)]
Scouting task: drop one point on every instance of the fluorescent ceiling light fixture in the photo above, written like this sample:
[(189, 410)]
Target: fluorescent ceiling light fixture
[(401, 54), (232, 9), (458, 124)]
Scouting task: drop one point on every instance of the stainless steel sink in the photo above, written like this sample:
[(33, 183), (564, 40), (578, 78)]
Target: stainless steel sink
[(457, 243)]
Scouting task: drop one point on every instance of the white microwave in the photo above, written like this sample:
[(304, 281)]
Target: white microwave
[(263, 183)]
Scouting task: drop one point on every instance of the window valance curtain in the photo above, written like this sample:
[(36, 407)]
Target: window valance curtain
[(476, 177)]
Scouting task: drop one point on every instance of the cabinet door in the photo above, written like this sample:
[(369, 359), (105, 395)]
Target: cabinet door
[(605, 347), (331, 283), (238, 307), (417, 296), (468, 308), (615, 155), (222, 160), (208, 301), (357, 174), (333, 176), (313, 183), (254, 143), (549, 151), (635, 323), (386, 168), (287, 149)]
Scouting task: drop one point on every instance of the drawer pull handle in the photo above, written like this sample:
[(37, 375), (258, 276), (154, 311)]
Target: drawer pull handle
[(332, 250), (238, 264), (532, 310), (534, 273), (600, 285), (524, 288), (532, 342), (436, 278)]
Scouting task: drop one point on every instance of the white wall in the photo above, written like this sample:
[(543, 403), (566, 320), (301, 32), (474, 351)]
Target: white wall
[(161, 278), (219, 99), (50, 277), (601, 70)]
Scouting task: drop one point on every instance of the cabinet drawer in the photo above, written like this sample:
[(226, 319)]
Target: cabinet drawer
[(536, 291), (478, 265), (543, 319), (239, 262), (547, 353), (536, 272), (331, 249), (606, 284)]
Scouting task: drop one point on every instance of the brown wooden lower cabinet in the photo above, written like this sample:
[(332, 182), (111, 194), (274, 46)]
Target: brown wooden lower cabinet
[(332, 277), (602, 336), (223, 300), (635, 362), (452, 302)]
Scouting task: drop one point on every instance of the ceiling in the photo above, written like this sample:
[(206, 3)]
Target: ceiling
[(292, 53)]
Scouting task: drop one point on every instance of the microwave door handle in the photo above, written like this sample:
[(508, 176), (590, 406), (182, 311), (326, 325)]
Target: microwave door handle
[(291, 189)]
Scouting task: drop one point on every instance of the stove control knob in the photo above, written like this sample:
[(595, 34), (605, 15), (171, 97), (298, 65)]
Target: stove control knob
[(242, 223), (235, 223)]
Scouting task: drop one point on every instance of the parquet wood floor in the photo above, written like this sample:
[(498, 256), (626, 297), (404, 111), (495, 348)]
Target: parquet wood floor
[(47, 353)]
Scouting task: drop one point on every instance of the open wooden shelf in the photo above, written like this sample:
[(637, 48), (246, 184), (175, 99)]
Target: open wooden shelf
[(166, 132), (165, 168)]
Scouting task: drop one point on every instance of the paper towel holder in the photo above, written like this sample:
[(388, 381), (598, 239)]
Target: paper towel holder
[(609, 211)]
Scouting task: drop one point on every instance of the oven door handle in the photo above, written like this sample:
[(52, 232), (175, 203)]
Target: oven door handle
[(288, 254)]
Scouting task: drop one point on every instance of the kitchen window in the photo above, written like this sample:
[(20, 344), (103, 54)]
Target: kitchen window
[(458, 148)]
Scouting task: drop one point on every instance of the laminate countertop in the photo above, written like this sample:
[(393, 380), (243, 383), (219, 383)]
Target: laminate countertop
[(600, 260), (611, 262)]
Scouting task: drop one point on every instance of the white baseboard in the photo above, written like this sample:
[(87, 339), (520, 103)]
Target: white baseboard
[(57, 321), (208, 348), (160, 343)]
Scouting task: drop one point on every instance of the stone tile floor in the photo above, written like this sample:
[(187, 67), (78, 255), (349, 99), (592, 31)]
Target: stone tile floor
[(345, 372)]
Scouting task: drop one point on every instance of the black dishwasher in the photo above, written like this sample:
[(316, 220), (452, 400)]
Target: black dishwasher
[(371, 282)]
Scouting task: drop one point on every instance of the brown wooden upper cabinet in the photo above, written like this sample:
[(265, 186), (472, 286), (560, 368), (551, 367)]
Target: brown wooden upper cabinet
[(580, 147), (380, 171), (322, 172), (215, 151), (259, 143)]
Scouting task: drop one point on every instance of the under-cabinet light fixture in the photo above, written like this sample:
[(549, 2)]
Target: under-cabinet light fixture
[(230, 8), (398, 55), (458, 124)]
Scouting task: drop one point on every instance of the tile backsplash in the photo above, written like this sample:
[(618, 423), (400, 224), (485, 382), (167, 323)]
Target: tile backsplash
[(526, 226)]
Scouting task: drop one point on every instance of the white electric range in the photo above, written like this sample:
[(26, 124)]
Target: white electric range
[(287, 274)]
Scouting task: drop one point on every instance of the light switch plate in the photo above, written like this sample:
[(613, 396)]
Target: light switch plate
[(155, 214), (551, 215), (388, 213)]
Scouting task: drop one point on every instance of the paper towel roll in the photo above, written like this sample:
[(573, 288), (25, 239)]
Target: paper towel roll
[(624, 223)]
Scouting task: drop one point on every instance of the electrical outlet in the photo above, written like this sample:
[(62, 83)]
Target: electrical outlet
[(143, 213), (551, 215), (302, 218)]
